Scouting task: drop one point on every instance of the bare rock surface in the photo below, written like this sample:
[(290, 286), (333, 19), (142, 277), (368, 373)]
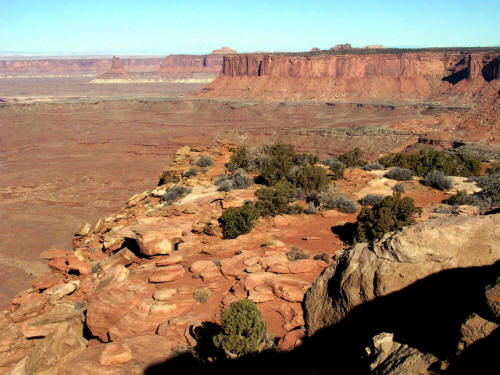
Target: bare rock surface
[(475, 328)]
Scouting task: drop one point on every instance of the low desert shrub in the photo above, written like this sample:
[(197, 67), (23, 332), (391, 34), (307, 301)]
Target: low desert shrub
[(175, 193), (494, 168), (330, 199), (488, 198), (295, 209), (243, 329), (201, 295), (219, 180), (312, 208), (373, 166), (447, 210), (309, 178), (237, 180), (341, 204), (325, 257), (238, 159), (296, 253), (279, 159), (390, 214), (458, 199), (275, 200), (353, 158), (191, 172), (238, 220), (240, 180), (437, 180), (424, 162), (399, 188), (399, 174), (371, 199), (204, 161), (225, 186), (336, 167)]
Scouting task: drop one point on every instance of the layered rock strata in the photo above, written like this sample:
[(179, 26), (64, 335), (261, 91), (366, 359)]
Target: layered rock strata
[(408, 76)]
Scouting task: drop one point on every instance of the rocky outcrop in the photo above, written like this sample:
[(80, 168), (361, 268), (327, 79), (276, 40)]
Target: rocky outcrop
[(388, 357), (130, 284), (368, 272), (344, 76)]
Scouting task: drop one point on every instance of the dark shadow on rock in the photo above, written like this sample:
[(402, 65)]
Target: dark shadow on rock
[(205, 347), (345, 232), (426, 315), (491, 70), (457, 76), (479, 358)]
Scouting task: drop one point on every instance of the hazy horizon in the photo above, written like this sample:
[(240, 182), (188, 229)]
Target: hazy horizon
[(111, 27)]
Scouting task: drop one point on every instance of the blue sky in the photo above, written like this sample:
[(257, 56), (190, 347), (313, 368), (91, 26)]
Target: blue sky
[(194, 26)]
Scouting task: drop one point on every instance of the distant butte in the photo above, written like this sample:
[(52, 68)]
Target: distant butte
[(224, 50), (117, 70)]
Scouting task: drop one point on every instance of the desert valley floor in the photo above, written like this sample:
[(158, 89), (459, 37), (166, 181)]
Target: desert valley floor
[(67, 160)]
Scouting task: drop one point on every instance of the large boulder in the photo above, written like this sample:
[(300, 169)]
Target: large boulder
[(113, 296), (399, 260)]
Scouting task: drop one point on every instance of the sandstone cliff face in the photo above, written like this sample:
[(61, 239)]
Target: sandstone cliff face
[(211, 63), (402, 76)]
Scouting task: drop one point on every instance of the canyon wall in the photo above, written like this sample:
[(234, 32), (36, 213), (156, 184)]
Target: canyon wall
[(54, 67), (414, 76), (172, 66)]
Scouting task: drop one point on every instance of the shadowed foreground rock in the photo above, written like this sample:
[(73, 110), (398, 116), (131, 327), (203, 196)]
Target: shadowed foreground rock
[(428, 288), (397, 261)]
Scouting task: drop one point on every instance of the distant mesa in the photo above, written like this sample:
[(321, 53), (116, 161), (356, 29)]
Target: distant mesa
[(345, 74), (315, 49), (374, 46), (342, 47), (224, 51)]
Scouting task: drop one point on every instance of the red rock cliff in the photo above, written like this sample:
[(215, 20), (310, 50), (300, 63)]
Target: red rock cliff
[(417, 76)]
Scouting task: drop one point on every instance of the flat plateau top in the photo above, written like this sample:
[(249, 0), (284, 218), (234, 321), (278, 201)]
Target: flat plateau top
[(367, 51)]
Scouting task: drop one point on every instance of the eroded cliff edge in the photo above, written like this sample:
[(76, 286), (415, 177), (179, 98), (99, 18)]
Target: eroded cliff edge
[(441, 76)]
